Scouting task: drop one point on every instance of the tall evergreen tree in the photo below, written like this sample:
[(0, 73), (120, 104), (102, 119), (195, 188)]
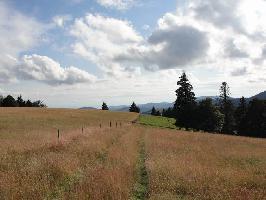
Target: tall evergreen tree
[(185, 103), (104, 106), (1, 100), (9, 101), (254, 123), (134, 108), (20, 101), (209, 117), (153, 111), (240, 114), (163, 113), (226, 108), (29, 103)]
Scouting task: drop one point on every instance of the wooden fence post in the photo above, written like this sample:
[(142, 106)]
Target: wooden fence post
[(82, 129), (100, 125), (58, 135), (110, 124)]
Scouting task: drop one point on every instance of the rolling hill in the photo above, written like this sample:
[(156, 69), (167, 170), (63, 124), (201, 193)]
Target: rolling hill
[(146, 108)]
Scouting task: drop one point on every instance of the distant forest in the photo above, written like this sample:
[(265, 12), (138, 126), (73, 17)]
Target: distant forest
[(246, 119), (222, 116), (10, 101)]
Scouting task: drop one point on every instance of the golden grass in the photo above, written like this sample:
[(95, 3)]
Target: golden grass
[(102, 163), (185, 165), (98, 165), (30, 127)]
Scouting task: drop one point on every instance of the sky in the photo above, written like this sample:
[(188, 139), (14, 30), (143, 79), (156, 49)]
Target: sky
[(75, 53)]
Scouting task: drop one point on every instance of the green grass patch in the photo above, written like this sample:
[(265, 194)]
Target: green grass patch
[(157, 121), (140, 190)]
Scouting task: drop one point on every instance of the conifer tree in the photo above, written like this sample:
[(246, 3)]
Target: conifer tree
[(104, 106), (20, 101), (226, 108), (209, 117), (185, 103), (153, 111), (240, 114), (254, 123), (134, 108), (9, 101)]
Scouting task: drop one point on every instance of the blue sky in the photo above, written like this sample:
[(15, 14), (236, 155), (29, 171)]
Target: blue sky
[(81, 52)]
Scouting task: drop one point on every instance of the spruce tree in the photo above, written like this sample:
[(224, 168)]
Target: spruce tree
[(134, 108), (254, 123), (163, 113), (20, 101), (209, 117), (185, 103), (226, 108), (104, 106), (9, 101), (1, 100), (240, 115), (153, 111)]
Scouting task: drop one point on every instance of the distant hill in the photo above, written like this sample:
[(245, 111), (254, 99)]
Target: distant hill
[(146, 108), (143, 107), (260, 96)]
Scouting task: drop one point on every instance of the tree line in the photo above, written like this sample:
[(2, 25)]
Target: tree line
[(132, 108), (246, 119), (10, 101)]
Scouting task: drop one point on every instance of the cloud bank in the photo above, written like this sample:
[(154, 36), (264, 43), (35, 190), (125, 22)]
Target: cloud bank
[(19, 33), (226, 35), (44, 69)]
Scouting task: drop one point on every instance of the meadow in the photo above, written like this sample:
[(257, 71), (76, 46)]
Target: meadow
[(157, 121), (131, 161)]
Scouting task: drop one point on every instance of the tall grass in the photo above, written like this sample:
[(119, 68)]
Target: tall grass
[(96, 164), (27, 128), (123, 162), (205, 166)]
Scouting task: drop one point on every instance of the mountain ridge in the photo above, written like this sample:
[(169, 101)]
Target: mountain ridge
[(144, 108)]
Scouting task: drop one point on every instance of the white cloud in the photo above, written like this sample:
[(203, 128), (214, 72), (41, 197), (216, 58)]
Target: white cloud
[(101, 39), (61, 20), (44, 69), (117, 4), (211, 34), (19, 33), (116, 47), (174, 47)]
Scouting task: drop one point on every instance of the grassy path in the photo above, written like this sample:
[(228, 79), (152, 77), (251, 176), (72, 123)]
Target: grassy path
[(141, 186)]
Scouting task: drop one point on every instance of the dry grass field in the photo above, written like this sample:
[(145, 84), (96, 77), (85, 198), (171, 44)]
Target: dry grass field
[(128, 162), (187, 165)]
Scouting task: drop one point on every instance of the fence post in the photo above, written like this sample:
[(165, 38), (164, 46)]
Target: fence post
[(120, 124), (100, 125), (110, 124), (116, 124), (58, 135), (82, 129)]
